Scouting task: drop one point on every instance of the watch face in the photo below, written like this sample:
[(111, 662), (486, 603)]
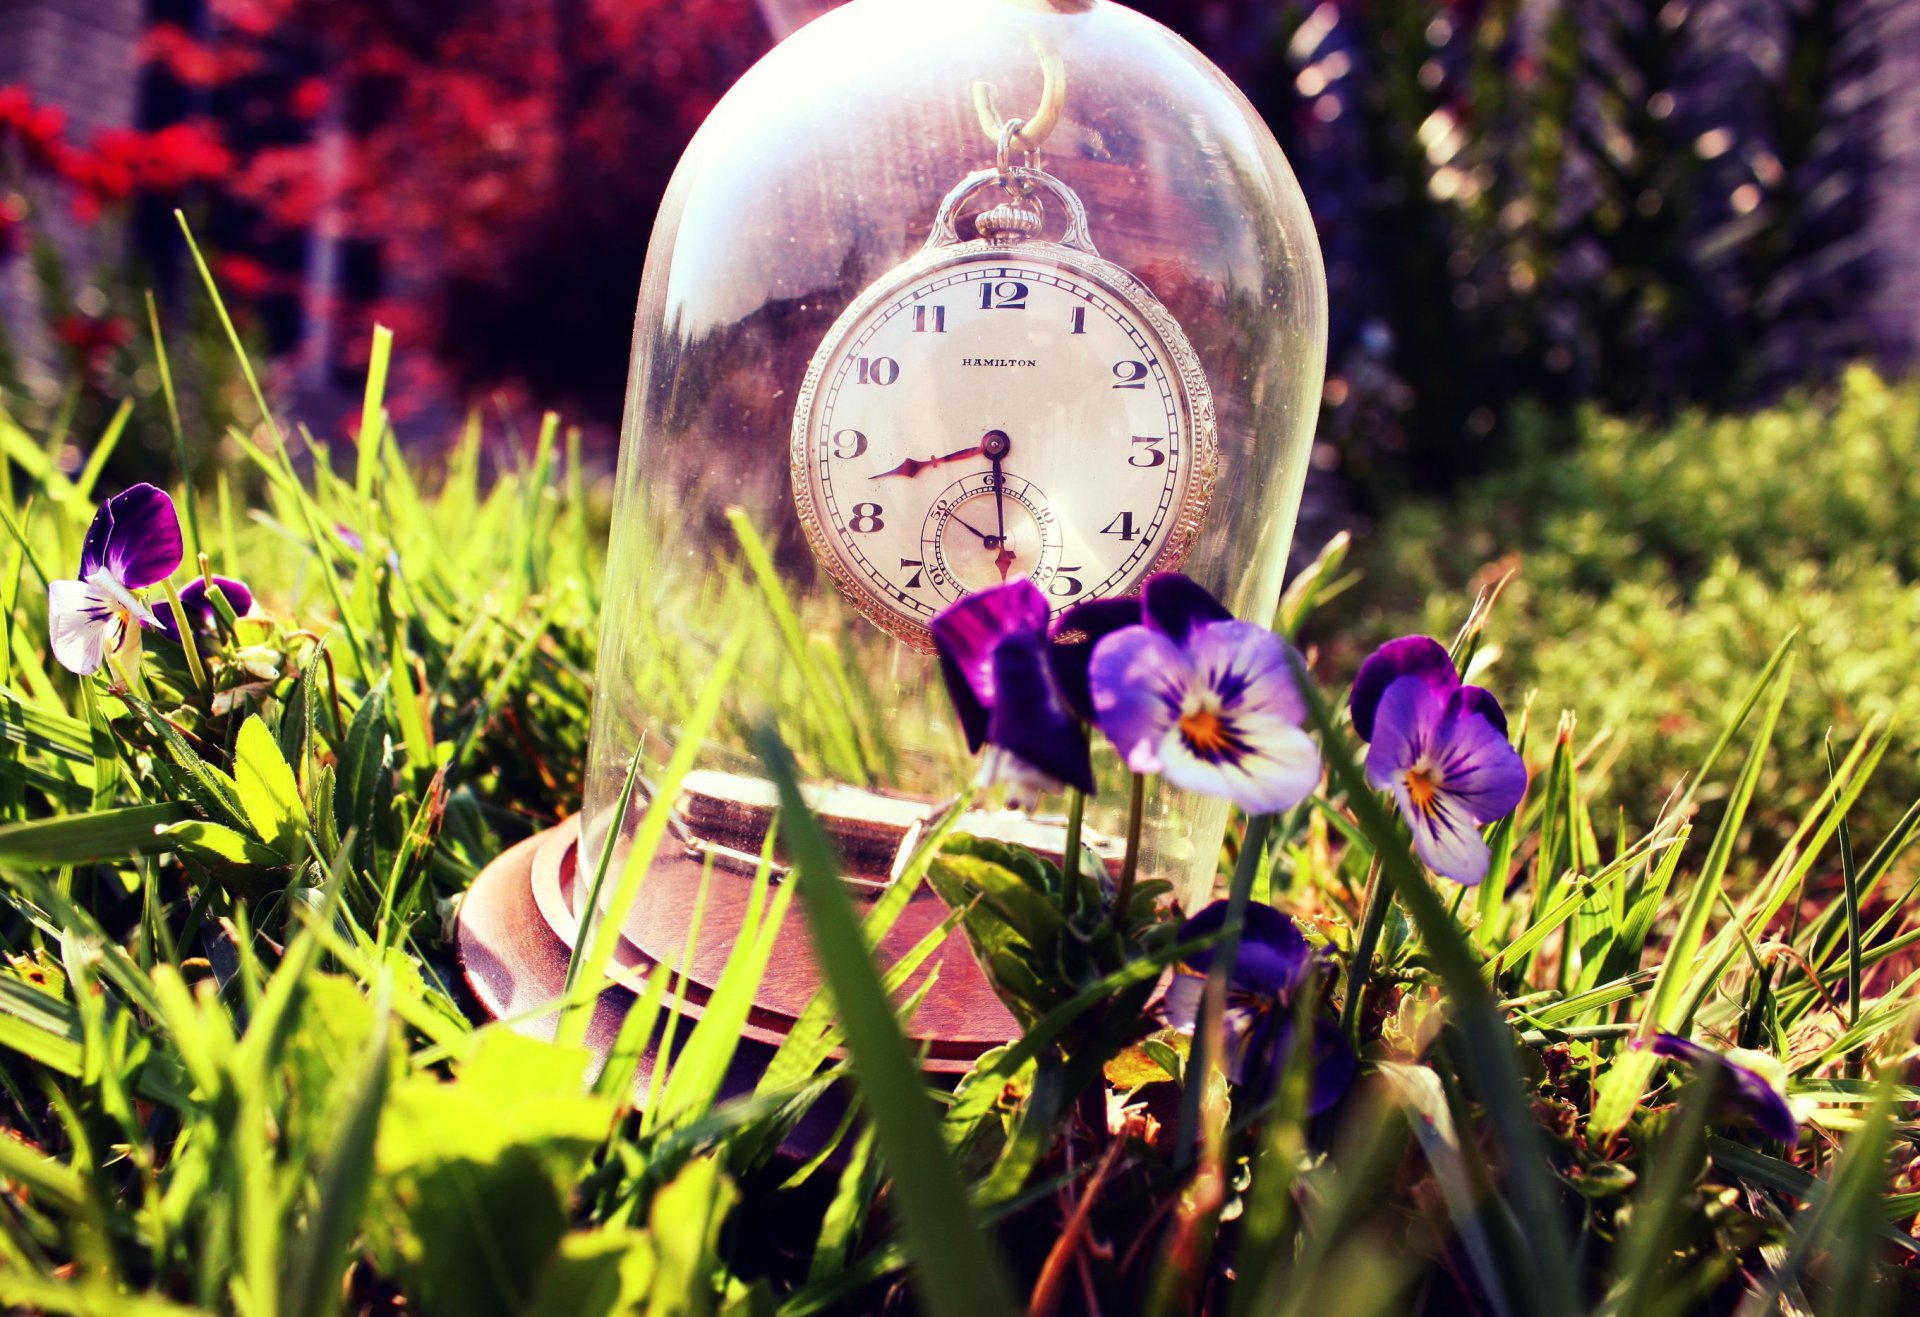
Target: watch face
[(986, 413)]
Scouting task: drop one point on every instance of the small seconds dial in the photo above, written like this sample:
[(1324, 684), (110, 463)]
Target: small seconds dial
[(990, 413)]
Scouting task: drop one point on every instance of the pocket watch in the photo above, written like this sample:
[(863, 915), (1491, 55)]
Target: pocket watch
[(1000, 407)]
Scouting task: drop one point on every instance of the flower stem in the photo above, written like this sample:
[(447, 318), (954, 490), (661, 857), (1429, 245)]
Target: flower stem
[(1207, 1029), (1130, 866), (1372, 920), (1070, 855), (185, 626)]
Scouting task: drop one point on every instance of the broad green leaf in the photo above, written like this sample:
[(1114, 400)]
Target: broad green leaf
[(269, 793), (610, 1270), (213, 843)]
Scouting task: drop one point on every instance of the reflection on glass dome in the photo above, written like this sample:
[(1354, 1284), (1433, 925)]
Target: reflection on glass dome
[(889, 350)]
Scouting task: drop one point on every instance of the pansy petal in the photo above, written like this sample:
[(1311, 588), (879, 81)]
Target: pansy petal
[(1759, 1098), (1173, 605), (1249, 668), (135, 536), (966, 635), (1024, 783), (1446, 836), (1138, 680), (1275, 766), (1333, 1066), (1475, 766), (198, 606), (80, 622), (1075, 633), (1180, 1007), (1406, 719), (1237, 734), (1409, 656), (1751, 1094), (1252, 1029), (1274, 954), (1028, 718), (1477, 699)]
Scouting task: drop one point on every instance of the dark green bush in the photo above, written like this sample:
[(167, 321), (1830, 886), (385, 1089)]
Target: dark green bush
[(1656, 568)]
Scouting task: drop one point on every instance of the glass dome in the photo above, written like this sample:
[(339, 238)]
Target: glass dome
[(1156, 374)]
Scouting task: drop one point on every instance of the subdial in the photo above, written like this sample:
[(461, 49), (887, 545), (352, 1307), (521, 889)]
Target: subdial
[(961, 535)]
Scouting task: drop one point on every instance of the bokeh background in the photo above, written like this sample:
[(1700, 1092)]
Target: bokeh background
[(1525, 204)]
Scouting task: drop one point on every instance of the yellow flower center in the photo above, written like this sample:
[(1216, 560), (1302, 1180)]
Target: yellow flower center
[(1204, 732), (1421, 789)]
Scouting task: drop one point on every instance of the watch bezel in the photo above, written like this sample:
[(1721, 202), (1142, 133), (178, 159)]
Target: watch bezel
[(1195, 403)]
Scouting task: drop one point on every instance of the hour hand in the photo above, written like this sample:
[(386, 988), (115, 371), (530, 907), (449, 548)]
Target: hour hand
[(913, 466)]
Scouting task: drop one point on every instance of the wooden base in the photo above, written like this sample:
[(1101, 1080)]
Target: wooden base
[(518, 922)]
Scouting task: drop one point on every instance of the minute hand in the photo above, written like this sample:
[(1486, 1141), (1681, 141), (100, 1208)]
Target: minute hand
[(913, 466)]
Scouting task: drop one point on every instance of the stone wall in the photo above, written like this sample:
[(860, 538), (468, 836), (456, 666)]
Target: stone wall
[(80, 55)]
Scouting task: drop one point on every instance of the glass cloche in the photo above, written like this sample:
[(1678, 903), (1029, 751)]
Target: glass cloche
[(940, 296)]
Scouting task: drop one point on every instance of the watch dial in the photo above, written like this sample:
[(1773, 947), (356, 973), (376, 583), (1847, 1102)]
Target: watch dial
[(998, 415)]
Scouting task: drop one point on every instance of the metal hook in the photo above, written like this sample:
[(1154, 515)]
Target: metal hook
[(1036, 127)]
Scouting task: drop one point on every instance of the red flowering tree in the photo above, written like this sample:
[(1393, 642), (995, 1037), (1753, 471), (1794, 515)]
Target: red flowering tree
[(500, 160)]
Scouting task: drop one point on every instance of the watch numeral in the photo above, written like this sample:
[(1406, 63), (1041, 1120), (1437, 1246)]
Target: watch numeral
[(1007, 295), (1122, 526), (921, 321), (1131, 374), (848, 444), (866, 518), (877, 370), (913, 582), (1079, 319), (1064, 585), (1153, 456)]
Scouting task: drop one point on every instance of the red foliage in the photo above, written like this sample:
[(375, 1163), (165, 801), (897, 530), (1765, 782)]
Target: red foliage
[(13, 227), (92, 340), (507, 155), (120, 163)]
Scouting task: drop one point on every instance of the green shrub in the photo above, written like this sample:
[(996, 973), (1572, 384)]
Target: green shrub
[(1655, 569)]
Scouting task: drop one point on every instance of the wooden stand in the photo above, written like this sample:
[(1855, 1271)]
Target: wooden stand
[(518, 922)]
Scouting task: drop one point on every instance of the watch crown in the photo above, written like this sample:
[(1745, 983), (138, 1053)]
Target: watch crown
[(1006, 224)]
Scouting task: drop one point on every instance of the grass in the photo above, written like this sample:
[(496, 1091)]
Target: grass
[(240, 1074)]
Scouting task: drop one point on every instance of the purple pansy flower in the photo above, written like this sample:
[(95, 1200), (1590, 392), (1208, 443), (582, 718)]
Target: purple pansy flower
[(199, 608), (1441, 748), (134, 543), (1206, 701), (1273, 963), (995, 656), (1751, 1093)]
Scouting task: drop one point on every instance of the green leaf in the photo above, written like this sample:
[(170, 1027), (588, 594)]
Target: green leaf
[(110, 834), (269, 793), (598, 1271), (958, 1272), (214, 843), (1621, 1088), (320, 1251), (474, 1175), (1643, 1283), (684, 1220)]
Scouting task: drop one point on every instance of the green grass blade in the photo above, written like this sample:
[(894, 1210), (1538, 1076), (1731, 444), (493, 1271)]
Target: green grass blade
[(1489, 1043), (1678, 969), (109, 834), (959, 1274)]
